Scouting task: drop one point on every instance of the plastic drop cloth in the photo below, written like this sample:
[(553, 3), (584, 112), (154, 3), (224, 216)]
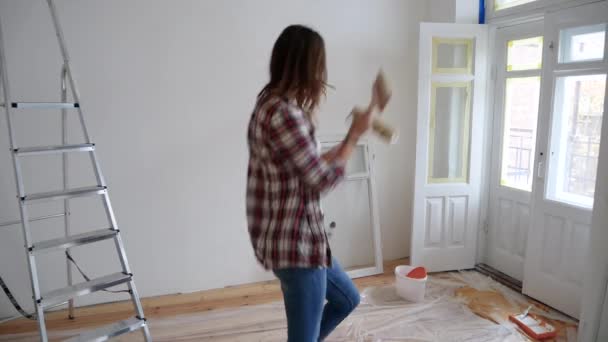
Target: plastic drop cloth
[(458, 306)]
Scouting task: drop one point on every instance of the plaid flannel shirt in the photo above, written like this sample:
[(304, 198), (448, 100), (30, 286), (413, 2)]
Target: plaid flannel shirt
[(285, 178)]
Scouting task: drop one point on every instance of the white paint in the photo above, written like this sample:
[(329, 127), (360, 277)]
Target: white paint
[(560, 233), (436, 218), (168, 88)]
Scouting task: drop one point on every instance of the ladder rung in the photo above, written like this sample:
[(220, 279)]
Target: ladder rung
[(74, 240), (109, 331), (63, 295), (29, 151), (65, 194), (43, 105)]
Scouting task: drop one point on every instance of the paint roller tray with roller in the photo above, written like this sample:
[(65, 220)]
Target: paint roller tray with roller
[(410, 282)]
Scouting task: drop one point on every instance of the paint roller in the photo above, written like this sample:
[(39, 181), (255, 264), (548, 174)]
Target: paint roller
[(381, 94)]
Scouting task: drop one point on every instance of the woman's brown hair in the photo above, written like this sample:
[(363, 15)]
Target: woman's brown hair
[(297, 67)]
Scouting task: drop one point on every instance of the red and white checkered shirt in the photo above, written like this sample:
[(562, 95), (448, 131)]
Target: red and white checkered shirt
[(286, 176)]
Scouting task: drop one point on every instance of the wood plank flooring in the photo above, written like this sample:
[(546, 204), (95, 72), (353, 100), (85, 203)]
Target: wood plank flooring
[(178, 304)]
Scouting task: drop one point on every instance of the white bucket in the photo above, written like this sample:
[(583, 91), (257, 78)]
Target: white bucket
[(410, 289)]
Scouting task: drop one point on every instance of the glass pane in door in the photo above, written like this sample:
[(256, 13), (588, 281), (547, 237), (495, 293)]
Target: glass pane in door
[(449, 133), (575, 138), (519, 131), (582, 44)]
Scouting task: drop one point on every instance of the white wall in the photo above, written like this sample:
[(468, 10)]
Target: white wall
[(453, 11), (467, 12), (168, 87), (441, 11)]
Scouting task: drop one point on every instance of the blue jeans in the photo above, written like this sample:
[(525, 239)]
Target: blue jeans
[(309, 318)]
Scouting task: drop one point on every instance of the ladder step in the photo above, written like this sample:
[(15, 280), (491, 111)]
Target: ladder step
[(109, 331), (74, 240), (60, 296), (30, 151), (65, 194), (44, 105)]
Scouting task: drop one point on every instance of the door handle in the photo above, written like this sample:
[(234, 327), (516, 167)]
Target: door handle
[(540, 170)]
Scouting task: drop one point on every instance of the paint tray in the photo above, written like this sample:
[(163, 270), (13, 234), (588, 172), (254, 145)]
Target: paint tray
[(534, 327)]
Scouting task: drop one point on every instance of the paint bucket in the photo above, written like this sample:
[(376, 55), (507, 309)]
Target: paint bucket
[(410, 289)]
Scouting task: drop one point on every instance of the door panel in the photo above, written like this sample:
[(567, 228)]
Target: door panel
[(518, 69), (457, 221), (449, 140), (572, 107), (513, 220), (434, 221)]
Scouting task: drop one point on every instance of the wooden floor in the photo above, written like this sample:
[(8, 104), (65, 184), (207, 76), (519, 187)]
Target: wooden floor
[(177, 304)]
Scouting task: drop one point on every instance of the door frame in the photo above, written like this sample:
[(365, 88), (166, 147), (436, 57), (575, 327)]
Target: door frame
[(329, 140)]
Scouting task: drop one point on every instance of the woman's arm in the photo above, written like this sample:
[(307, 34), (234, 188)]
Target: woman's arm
[(330, 155), (291, 139)]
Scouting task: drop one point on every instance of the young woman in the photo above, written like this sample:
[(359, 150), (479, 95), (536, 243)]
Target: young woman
[(286, 176)]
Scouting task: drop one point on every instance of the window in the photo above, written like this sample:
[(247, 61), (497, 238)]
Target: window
[(521, 112), (522, 94), (582, 44), (502, 4), (578, 109)]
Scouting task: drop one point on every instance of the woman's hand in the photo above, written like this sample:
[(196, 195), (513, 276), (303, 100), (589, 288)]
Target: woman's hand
[(330, 155), (362, 121)]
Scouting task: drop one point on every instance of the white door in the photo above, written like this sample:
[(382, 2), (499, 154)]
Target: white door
[(518, 51), (451, 86), (573, 91)]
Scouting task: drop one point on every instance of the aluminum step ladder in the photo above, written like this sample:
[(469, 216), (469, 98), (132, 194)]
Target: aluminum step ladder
[(45, 301)]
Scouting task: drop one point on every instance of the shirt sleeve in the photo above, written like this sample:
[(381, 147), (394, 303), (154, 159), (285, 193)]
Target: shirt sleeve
[(291, 139)]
